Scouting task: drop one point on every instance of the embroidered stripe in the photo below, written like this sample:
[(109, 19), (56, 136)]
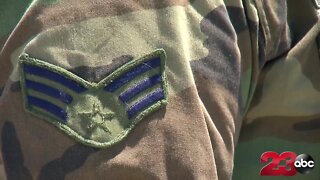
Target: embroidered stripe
[(50, 91), (141, 86), (47, 106), (123, 79), (148, 100), (45, 73)]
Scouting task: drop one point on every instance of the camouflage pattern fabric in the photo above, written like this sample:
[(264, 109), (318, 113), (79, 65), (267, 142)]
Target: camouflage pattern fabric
[(251, 65)]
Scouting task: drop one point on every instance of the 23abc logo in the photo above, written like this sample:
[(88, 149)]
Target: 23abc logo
[(303, 163)]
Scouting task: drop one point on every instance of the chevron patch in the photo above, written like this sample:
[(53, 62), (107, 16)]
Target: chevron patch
[(95, 114)]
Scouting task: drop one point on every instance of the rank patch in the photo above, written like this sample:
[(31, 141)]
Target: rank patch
[(96, 114)]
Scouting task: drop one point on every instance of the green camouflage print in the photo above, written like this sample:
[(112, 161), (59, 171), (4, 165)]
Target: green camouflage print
[(283, 114), (251, 65)]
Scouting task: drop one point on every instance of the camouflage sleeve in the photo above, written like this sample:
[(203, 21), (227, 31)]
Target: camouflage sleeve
[(150, 89), (70, 47), (283, 114)]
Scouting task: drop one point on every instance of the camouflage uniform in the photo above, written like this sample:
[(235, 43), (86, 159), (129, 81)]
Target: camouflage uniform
[(251, 64)]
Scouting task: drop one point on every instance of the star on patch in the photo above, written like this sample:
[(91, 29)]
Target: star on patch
[(103, 117), (96, 114)]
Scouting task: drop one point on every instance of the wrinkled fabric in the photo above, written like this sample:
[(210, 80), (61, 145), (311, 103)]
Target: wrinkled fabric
[(242, 78)]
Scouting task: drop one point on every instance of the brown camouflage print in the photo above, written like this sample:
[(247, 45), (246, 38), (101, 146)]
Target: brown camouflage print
[(243, 78)]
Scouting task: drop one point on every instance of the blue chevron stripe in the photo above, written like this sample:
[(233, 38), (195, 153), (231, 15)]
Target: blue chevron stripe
[(49, 107), (141, 86), (45, 73), (50, 91), (123, 79), (145, 102)]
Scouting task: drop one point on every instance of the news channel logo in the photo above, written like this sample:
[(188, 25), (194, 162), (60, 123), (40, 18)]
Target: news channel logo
[(294, 163)]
